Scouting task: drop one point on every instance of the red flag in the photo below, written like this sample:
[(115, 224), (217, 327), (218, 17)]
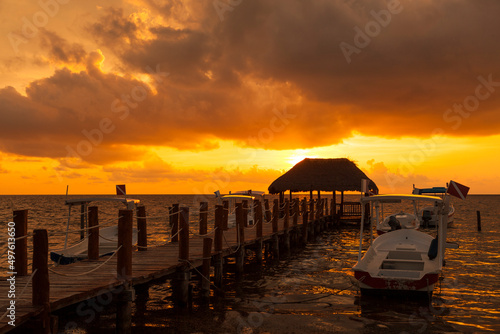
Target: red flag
[(457, 190), (120, 190)]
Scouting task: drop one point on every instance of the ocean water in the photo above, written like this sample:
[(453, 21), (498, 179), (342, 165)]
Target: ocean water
[(312, 290)]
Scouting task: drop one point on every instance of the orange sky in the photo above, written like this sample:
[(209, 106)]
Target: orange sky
[(195, 96)]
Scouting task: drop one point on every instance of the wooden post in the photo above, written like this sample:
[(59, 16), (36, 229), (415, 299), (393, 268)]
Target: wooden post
[(258, 219), (93, 234), (286, 236), (40, 284), (180, 281), (142, 229), (174, 222), (478, 221), (341, 210), (124, 256), (240, 225), (286, 216), (333, 208), (219, 216), (276, 213), (21, 250), (203, 218), (218, 269), (267, 212), (82, 220), (305, 214), (296, 211), (225, 215), (184, 234), (205, 269)]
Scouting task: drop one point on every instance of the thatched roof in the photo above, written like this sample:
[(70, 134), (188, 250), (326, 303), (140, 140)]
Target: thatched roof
[(321, 174)]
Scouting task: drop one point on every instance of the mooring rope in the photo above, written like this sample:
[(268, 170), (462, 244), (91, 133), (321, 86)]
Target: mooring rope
[(88, 272)]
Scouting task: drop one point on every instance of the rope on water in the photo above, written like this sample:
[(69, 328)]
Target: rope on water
[(88, 272)]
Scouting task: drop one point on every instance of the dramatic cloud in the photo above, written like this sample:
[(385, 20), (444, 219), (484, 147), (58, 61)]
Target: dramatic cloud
[(271, 74)]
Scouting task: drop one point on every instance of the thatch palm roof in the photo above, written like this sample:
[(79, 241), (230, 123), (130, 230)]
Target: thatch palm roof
[(321, 174)]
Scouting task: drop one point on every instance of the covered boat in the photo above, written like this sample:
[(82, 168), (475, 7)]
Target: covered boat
[(108, 236)]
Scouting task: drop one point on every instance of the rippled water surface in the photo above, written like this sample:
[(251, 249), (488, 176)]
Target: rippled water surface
[(312, 290)]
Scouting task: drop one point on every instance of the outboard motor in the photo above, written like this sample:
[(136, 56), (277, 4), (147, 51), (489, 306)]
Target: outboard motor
[(394, 223)]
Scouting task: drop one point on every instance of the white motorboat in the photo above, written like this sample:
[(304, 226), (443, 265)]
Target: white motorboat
[(402, 259), (428, 214), (108, 236)]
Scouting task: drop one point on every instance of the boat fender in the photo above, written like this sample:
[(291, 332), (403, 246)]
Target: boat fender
[(433, 249)]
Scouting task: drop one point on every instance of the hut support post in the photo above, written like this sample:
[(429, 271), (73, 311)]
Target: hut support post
[(21, 250)]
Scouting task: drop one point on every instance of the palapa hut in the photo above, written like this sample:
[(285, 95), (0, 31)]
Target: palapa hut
[(321, 175)]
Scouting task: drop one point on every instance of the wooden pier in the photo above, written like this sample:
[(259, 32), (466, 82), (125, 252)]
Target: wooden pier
[(277, 232)]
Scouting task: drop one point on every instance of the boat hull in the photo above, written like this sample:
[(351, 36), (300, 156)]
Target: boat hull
[(367, 282)]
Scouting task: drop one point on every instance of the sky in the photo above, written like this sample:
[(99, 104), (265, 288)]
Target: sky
[(194, 96)]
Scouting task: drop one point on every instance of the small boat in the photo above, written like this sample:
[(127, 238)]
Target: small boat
[(402, 260), (428, 214), (108, 236), (236, 197), (108, 240)]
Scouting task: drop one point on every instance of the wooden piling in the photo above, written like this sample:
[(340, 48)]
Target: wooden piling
[(184, 234), (174, 222), (205, 269), (93, 234), (40, 284), (83, 213), (142, 229), (305, 222), (124, 256), (203, 218), (218, 268), (286, 234), (258, 219), (478, 213), (180, 281), (240, 225), (267, 212), (276, 213), (225, 215), (21, 250)]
